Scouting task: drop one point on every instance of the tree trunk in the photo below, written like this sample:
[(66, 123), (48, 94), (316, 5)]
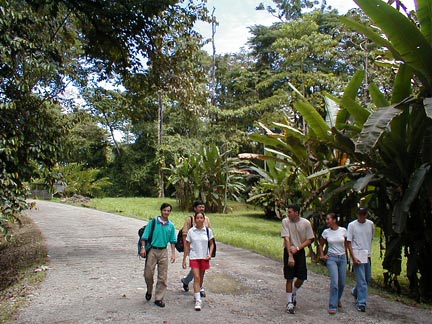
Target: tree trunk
[(161, 158), (213, 68)]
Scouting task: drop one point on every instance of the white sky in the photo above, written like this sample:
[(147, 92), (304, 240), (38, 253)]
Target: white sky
[(235, 16)]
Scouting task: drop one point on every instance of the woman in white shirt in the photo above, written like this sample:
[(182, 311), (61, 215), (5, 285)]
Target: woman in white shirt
[(335, 239), (199, 247)]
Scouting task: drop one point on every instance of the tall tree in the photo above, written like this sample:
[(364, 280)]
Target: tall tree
[(45, 44)]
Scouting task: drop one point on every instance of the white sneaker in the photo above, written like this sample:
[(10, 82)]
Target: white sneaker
[(198, 304), (290, 308)]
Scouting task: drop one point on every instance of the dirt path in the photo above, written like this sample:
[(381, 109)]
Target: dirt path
[(96, 277)]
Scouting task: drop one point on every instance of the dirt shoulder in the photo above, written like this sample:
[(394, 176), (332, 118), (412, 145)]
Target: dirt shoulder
[(96, 277)]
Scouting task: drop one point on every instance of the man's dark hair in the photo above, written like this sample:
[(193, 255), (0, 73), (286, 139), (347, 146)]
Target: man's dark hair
[(165, 205), (295, 207), (198, 203)]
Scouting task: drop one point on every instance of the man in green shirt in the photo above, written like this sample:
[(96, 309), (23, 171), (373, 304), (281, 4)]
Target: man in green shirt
[(164, 232)]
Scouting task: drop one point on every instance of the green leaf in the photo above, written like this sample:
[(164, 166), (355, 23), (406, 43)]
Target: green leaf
[(326, 171), (402, 84), (362, 182), (378, 97), (414, 185), (291, 131), (343, 142), (402, 207), (316, 123), (332, 109), (375, 127), (428, 107), (371, 34), (354, 85), (406, 39), (424, 10), (348, 101)]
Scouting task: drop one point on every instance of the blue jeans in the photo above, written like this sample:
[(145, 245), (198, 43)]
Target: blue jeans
[(187, 280), (336, 265), (363, 275)]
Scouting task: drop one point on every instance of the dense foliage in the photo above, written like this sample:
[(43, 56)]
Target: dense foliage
[(334, 110)]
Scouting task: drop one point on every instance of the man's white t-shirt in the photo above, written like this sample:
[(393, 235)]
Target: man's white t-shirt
[(198, 242), (335, 240), (361, 235)]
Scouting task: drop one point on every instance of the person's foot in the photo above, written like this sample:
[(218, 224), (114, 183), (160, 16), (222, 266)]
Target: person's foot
[(202, 292), (198, 304), (354, 293), (148, 296), (290, 308), (160, 303), (339, 304), (185, 285), (332, 311), (361, 308)]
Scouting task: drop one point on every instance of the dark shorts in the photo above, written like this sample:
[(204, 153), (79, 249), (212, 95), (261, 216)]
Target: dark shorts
[(299, 270)]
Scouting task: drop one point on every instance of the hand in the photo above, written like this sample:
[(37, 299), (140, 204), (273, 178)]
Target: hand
[(324, 257), (356, 261), (184, 263), (291, 261), (208, 257), (293, 249), (173, 258), (143, 252)]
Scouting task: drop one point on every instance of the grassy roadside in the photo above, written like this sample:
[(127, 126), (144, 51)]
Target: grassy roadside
[(18, 258), (245, 227)]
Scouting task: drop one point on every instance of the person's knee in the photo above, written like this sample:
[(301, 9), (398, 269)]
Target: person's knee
[(298, 283)]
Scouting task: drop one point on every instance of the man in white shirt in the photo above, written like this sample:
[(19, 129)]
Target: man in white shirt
[(359, 240)]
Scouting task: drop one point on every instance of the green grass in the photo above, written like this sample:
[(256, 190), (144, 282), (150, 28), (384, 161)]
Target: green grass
[(244, 226)]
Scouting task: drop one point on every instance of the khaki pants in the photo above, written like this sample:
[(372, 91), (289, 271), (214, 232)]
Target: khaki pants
[(159, 258)]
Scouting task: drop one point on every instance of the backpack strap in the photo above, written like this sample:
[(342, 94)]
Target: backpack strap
[(153, 221)]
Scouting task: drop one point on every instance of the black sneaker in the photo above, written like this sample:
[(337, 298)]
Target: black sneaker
[(160, 303), (202, 292), (185, 286), (361, 308), (148, 296)]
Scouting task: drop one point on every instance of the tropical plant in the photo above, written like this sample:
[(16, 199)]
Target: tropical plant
[(209, 175), (83, 181), (397, 140)]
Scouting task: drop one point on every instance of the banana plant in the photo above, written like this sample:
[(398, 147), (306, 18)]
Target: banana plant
[(210, 175), (396, 139)]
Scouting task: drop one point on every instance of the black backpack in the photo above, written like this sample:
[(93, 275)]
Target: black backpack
[(141, 232), (179, 244), (214, 243)]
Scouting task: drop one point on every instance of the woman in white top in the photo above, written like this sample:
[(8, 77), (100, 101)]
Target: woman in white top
[(199, 247), (335, 239)]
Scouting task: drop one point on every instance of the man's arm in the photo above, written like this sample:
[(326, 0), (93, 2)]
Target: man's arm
[(173, 253), (185, 253), (353, 257)]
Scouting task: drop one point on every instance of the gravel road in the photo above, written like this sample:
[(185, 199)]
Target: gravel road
[(96, 277)]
